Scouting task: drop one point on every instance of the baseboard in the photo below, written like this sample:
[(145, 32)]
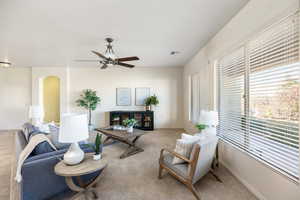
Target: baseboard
[(259, 195)]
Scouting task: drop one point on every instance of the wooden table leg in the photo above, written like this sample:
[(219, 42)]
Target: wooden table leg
[(84, 189), (106, 140), (132, 149)]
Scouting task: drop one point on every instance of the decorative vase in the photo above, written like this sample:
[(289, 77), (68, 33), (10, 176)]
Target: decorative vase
[(148, 108), (130, 129), (97, 156)]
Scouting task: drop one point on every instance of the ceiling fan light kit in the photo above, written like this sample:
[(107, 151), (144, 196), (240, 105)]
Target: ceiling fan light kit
[(5, 64), (110, 59)]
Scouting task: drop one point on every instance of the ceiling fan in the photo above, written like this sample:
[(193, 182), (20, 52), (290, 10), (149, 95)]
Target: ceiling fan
[(109, 58)]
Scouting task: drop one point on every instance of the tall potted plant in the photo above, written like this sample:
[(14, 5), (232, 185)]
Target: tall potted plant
[(89, 100), (151, 101)]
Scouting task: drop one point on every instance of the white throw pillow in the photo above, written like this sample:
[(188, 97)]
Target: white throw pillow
[(200, 135), (184, 147)]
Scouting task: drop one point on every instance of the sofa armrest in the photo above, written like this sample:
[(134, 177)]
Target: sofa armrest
[(39, 180)]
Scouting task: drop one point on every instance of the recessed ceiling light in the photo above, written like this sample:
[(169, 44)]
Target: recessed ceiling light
[(174, 52), (5, 64)]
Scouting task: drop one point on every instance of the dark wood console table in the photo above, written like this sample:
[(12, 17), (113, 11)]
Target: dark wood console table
[(145, 118)]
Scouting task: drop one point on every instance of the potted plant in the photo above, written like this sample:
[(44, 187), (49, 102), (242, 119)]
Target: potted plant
[(89, 100), (97, 147), (201, 127), (151, 101), (129, 123)]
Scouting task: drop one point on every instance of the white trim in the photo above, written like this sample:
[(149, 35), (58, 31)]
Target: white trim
[(252, 189)]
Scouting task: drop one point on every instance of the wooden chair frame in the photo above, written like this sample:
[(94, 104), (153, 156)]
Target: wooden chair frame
[(188, 181)]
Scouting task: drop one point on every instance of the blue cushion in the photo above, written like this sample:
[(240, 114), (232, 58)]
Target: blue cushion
[(43, 147)]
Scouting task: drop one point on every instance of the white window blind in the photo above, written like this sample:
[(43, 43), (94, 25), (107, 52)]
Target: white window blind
[(259, 97), (231, 91)]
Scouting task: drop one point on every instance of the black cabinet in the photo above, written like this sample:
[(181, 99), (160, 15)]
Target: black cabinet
[(144, 118)]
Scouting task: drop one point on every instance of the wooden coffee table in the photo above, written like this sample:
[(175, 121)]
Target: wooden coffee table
[(122, 136), (87, 166)]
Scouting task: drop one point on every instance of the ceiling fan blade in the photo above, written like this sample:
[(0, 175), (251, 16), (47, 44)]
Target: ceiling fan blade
[(127, 59), (125, 65), (100, 55), (87, 60), (104, 66)]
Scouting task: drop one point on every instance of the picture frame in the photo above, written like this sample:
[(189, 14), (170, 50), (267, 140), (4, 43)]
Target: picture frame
[(123, 96), (140, 95)]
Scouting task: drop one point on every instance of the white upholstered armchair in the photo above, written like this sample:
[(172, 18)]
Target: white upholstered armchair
[(195, 167)]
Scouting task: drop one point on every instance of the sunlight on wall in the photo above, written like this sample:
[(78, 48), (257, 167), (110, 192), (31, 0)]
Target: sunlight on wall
[(51, 98)]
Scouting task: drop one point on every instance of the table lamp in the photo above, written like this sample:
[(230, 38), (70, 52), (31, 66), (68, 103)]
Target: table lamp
[(211, 120), (73, 128), (36, 114)]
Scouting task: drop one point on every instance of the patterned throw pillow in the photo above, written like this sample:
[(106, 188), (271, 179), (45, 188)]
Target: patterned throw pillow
[(54, 132), (28, 129), (184, 147)]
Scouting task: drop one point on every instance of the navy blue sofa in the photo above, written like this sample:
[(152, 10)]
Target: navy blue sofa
[(39, 182)]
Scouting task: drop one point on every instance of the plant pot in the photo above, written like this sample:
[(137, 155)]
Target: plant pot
[(130, 129), (148, 108), (97, 156)]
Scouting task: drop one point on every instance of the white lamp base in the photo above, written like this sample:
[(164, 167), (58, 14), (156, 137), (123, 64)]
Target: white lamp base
[(209, 131), (74, 155)]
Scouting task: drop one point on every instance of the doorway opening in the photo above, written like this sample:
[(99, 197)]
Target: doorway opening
[(51, 99)]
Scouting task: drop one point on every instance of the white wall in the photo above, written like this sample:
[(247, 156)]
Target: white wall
[(20, 88), (254, 17), (166, 83), (15, 90)]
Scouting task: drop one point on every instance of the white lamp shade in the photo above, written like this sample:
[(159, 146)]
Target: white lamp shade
[(36, 111), (73, 128), (209, 118)]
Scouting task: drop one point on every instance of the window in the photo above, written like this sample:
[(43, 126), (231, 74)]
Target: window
[(259, 97)]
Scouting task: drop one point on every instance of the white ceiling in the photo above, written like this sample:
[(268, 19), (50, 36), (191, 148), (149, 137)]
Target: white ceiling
[(38, 33)]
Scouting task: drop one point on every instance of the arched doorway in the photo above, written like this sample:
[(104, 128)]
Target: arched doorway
[(51, 99)]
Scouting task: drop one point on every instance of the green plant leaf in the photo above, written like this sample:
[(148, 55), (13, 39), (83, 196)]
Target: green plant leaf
[(152, 100), (201, 127)]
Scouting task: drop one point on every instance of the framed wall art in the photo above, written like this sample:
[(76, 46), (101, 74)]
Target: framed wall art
[(140, 96), (123, 97)]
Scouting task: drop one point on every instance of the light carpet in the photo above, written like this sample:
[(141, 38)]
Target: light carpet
[(135, 177)]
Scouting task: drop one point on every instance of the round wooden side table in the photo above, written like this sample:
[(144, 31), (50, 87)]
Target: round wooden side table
[(87, 166)]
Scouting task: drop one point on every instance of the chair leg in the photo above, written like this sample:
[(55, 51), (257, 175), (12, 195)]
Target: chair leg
[(160, 172), (218, 179), (194, 191)]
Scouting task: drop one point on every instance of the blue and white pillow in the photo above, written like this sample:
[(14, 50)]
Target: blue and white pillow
[(28, 129), (54, 132)]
